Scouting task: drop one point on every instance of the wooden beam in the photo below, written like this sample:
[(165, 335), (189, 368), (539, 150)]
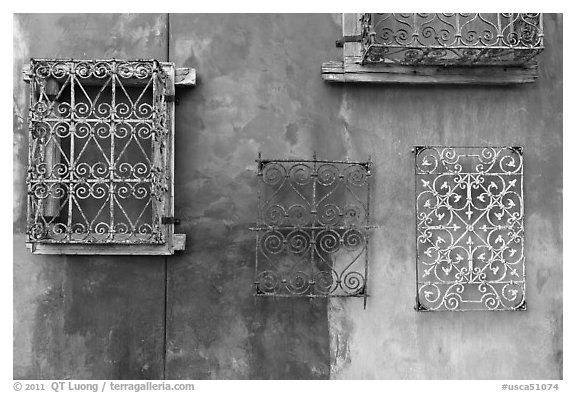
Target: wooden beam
[(351, 27), (170, 85), (336, 71), (107, 249), (179, 242), (26, 73), (185, 77)]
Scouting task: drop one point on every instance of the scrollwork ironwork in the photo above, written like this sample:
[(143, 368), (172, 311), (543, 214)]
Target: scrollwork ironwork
[(98, 165), (470, 228), (312, 232), (452, 38)]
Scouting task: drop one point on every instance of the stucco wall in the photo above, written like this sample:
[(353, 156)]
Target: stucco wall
[(389, 336), (259, 89), (83, 317)]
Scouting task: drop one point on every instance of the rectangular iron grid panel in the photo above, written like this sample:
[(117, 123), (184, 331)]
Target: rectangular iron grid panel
[(470, 228), (98, 162), (452, 38), (313, 227)]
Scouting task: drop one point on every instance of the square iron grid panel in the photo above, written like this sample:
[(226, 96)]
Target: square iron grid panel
[(313, 227), (98, 158), (470, 228), (452, 38)]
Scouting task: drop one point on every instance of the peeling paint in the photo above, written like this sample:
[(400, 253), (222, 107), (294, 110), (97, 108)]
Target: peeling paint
[(20, 144), (340, 332)]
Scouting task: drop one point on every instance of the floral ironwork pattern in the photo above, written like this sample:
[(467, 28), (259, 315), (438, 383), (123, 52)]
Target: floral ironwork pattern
[(452, 38), (470, 228), (312, 232), (98, 170)]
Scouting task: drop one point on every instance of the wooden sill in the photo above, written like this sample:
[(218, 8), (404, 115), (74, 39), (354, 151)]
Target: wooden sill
[(178, 243), (336, 71)]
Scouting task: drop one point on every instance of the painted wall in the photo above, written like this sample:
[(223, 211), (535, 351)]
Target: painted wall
[(82, 317), (259, 89)]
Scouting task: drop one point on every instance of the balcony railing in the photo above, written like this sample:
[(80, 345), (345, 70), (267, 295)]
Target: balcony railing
[(452, 38)]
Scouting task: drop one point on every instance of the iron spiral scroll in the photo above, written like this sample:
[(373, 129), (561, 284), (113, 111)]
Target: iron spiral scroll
[(313, 227), (470, 228), (452, 38), (98, 161)]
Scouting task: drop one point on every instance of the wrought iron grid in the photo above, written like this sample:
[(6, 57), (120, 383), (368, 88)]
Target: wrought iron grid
[(470, 228), (313, 226), (98, 162), (452, 38)]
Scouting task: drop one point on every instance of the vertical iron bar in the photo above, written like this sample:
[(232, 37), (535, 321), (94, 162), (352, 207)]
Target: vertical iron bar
[(368, 179), (314, 219), (171, 191), (415, 151), (469, 204), (540, 33), (112, 147), (171, 130), (31, 146), (524, 286), (155, 125), (72, 140), (260, 220), (458, 34), (415, 29), (500, 34)]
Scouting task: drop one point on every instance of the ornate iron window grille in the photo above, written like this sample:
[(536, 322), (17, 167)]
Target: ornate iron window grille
[(451, 38), (100, 155), (313, 226), (470, 228)]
